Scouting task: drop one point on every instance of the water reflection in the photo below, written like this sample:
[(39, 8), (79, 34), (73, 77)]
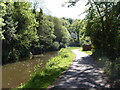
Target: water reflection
[(16, 73)]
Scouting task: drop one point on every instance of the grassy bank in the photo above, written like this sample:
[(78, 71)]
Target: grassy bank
[(53, 69)]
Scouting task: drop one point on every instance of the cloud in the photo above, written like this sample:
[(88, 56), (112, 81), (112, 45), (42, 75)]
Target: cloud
[(56, 9)]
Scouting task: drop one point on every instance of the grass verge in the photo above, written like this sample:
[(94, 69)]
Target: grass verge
[(53, 69)]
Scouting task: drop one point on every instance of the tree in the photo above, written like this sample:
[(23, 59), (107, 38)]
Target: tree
[(76, 29), (45, 31), (35, 6), (26, 30), (103, 27), (9, 34), (2, 13), (61, 32)]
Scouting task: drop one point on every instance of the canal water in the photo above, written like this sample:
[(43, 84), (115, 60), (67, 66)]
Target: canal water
[(16, 73)]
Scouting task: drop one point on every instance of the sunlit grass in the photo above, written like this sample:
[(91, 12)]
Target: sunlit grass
[(53, 69)]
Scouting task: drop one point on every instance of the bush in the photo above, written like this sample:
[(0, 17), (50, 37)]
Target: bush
[(55, 46), (63, 45), (111, 68), (13, 55), (64, 53), (115, 69)]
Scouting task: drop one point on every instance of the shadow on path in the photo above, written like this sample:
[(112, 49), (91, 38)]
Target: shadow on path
[(83, 73)]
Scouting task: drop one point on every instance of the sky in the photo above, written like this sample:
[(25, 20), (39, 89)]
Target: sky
[(55, 8)]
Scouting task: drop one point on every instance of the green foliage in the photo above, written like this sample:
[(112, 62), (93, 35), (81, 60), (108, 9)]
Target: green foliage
[(66, 22), (64, 53), (2, 13), (103, 28), (55, 45), (85, 40), (77, 29), (112, 69), (19, 31), (61, 32), (45, 30), (55, 66), (13, 55), (1, 35), (9, 34), (26, 31)]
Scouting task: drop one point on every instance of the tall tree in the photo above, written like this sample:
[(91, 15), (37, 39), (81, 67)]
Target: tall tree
[(26, 30), (9, 34), (45, 31), (61, 32)]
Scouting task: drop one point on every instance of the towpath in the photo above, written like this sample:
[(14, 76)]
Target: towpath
[(83, 73)]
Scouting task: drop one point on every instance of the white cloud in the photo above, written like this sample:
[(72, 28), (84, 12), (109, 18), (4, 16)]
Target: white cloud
[(56, 9)]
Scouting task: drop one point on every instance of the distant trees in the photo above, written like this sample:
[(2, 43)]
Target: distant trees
[(77, 26), (28, 31), (61, 32), (77, 29)]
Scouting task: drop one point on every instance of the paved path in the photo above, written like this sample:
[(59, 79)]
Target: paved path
[(83, 73)]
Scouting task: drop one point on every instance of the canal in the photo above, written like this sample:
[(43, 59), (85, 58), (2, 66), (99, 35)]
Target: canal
[(19, 72)]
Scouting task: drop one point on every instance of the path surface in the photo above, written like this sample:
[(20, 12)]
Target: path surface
[(83, 73)]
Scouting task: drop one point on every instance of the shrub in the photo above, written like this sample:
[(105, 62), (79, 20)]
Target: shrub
[(64, 53), (55, 45), (111, 68), (63, 45), (13, 55)]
